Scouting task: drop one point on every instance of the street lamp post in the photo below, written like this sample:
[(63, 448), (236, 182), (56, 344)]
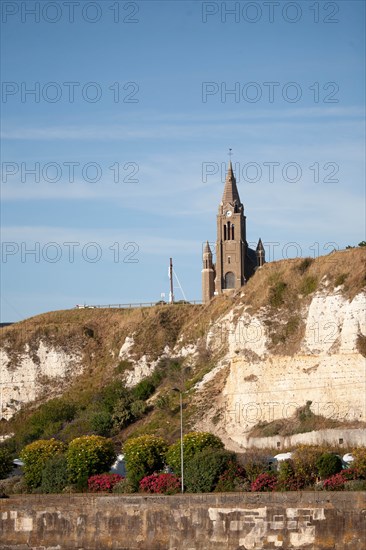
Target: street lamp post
[(181, 438)]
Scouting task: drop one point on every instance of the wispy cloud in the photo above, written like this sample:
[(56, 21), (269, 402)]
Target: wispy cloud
[(181, 126)]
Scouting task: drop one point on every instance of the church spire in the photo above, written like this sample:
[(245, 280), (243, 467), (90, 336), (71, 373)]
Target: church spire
[(230, 194)]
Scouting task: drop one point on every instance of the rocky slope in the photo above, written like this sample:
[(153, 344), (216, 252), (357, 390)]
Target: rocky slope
[(294, 334)]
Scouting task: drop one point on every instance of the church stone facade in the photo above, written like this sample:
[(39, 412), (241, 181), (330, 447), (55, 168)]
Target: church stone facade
[(235, 261)]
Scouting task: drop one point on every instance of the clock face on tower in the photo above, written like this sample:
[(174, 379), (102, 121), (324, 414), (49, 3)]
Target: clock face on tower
[(228, 213)]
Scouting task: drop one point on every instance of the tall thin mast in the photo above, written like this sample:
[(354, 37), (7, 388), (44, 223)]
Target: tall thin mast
[(171, 293)]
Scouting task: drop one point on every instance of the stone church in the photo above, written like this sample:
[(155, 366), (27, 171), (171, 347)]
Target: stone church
[(235, 261)]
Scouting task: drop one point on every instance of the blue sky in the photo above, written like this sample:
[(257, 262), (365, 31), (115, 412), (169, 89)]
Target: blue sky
[(152, 94)]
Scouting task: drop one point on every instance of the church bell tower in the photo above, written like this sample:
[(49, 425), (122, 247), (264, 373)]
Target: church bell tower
[(235, 261), (231, 241)]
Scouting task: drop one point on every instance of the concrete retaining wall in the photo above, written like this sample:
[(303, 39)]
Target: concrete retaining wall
[(231, 521)]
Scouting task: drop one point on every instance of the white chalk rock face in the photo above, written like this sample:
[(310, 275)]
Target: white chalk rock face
[(238, 333), (124, 352), (334, 323), (30, 375)]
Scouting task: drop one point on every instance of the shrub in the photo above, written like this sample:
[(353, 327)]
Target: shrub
[(14, 485), (55, 475), (304, 461), (144, 455), (255, 463), (309, 285), (124, 486), (54, 412), (123, 366), (101, 423), (340, 280), (328, 464), (193, 443), (6, 462), (122, 414), (233, 479), (355, 485), (88, 455), (359, 463), (35, 456), (203, 471), (276, 294), (335, 483), (305, 264), (111, 393), (103, 482), (287, 478), (168, 484), (46, 421), (264, 482), (143, 390), (138, 408)]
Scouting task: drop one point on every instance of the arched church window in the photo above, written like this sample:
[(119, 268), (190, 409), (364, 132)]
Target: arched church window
[(229, 280), (228, 259), (228, 231), (232, 232)]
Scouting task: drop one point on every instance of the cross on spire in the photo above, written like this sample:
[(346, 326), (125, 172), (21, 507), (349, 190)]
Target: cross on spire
[(230, 153)]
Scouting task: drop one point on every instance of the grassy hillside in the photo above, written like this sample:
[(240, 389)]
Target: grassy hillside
[(97, 402)]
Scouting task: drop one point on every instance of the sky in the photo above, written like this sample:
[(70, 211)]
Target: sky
[(117, 120)]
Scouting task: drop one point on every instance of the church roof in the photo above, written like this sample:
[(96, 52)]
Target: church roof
[(207, 249), (230, 194), (260, 245)]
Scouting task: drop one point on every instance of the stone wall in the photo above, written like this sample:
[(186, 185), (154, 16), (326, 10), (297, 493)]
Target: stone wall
[(306, 520)]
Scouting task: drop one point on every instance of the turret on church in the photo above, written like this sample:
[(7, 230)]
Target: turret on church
[(235, 261)]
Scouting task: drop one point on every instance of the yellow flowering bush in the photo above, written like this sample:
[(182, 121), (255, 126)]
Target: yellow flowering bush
[(36, 455), (89, 455), (144, 455)]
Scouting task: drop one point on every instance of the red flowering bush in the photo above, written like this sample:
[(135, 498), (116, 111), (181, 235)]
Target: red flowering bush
[(234, 478), (103, 482), (160, 483), (264, 482), (337, 482)]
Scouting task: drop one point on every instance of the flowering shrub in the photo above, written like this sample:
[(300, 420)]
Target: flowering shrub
[(335, 483), (103, 482), (264, 482), (233, 479), (193, 443), (88, 455), (35, 456), (160, 483), (144, 455)]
